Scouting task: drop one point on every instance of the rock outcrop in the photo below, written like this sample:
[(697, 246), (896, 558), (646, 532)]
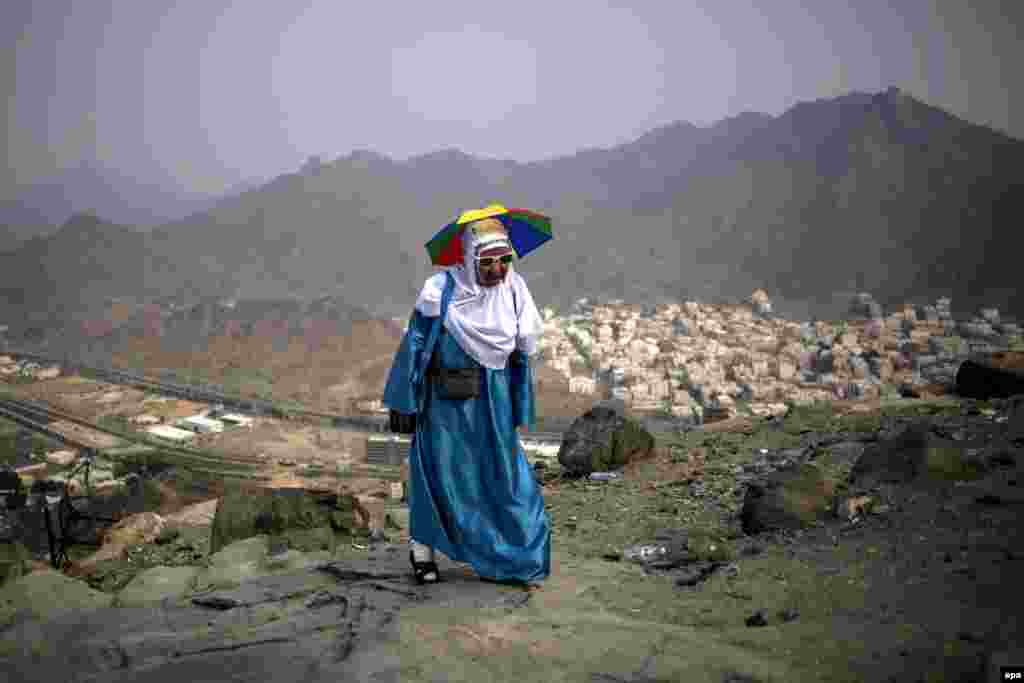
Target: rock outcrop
[(241, 515), (788, 499), (983, 380), (602, 440)]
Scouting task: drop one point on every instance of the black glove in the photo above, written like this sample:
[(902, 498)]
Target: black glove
[(399, 423)]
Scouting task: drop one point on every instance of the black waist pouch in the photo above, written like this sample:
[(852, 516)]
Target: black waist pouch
[(458, 384), (455, 384)]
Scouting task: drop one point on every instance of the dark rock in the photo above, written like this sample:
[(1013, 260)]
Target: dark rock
[(215, 602), (789, 614), (602, 440), (898, 459), (751, 551), (758, 618), (981, 380), (789, 499), (695, 574), (990, 315)]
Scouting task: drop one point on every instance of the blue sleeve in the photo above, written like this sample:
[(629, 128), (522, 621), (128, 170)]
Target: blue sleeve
[(521, 386), (400, 392)]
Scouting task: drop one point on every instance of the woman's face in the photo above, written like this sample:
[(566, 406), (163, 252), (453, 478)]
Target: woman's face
[(492, 270)]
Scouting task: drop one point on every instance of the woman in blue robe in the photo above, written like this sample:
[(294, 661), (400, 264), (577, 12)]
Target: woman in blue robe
[(472, 494)]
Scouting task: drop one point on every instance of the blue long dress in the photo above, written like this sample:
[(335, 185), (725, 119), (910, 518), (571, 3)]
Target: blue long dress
[(472, 493)]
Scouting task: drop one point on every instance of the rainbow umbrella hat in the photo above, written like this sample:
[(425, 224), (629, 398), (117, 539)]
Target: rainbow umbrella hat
[(527, 230)]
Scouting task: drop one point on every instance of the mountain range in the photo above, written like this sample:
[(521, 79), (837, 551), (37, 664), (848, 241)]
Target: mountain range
[(874, 192), (97, 188)]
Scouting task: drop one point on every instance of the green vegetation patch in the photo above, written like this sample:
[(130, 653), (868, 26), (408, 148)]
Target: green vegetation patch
[(859, 422), (185, 547), (807, 417), (820, 416), (935, 408), (592, 520), (8, 451), (248, 381), (950, 463), (116, 423)]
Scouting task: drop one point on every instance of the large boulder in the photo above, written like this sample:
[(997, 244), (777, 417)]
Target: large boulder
[(792, 499), (602, 439), (243, 514), (988, 378), (898, 460), (918, 456)]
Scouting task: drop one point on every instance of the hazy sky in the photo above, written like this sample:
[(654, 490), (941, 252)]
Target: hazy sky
[(209, 92)]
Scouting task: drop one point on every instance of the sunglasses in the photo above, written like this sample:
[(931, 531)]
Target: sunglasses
[(488, 261)]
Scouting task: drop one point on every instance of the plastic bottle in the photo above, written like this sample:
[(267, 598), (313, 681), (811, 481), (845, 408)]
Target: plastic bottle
[(644, 553), (604, 476)]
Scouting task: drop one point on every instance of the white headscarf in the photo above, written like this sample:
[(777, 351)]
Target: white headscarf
[(483, 319)]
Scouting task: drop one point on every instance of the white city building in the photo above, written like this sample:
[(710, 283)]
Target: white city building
[(201, 425), (234, 419), (582, 385), (170, 433)]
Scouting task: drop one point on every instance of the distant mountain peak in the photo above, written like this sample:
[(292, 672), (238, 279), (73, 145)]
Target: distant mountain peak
[(670, 129), (446, 154), (367, 155)]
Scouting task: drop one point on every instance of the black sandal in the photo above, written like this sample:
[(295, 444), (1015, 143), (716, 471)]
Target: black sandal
[(422, 569)]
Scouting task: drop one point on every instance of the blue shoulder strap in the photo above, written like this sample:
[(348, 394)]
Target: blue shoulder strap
[(428, 348)]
